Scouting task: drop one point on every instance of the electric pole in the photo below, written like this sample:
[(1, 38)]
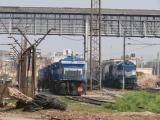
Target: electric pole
[(124, 59), (158, 63)]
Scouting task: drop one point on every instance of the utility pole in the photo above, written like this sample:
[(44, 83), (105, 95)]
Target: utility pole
[(141, 62), (91, 31), (100, 52), (22, 61), (86, 36), (158, 63), (19, 57), (124, 59)]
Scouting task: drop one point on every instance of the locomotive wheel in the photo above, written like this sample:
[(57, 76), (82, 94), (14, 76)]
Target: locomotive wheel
[(62, 88), (73, 87)]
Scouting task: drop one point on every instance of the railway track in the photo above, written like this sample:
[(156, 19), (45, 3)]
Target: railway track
[(89, 100), (151, 90)]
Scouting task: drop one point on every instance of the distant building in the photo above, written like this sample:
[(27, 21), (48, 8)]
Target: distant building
[(7, 66), (4, 55), (61, 55)]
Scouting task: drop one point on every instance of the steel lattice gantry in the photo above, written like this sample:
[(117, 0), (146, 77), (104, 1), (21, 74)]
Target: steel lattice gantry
[(95, 45), (73, 21)]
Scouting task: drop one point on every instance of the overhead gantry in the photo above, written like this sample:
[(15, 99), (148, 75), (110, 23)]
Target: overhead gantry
[(73, 21)]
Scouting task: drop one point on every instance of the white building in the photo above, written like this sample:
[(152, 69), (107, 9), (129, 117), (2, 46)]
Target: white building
[(56, 56)]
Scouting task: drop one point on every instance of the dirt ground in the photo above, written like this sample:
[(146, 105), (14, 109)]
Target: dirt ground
[(19, 115), (75, 115)]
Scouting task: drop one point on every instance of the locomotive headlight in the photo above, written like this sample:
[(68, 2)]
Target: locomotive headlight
[(130, 73), (133, 72)]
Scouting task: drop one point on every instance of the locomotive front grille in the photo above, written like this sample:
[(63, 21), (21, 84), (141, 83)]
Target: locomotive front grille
[(74, 75)]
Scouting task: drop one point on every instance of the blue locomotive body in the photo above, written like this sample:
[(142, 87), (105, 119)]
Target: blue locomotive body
[(114, 71), (68, 76)]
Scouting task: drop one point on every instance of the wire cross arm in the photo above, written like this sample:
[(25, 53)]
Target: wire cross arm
[(41, 39), (16, 41), (23, 35)]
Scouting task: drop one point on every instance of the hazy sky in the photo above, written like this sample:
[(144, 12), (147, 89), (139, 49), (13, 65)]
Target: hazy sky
[(111, 47), (131, 4)]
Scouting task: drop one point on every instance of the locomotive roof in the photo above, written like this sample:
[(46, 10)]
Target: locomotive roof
[(66, 60), (127, 62), (118, 63), (72, 58)]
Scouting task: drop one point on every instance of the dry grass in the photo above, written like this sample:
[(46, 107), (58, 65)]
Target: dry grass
[(147, 80), (3, 90)]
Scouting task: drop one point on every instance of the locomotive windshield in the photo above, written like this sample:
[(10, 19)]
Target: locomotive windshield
[(74, 71), (130, 69)]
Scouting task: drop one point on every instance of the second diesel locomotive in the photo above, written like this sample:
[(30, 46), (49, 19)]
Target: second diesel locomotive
[(66, 77), (113, 74)]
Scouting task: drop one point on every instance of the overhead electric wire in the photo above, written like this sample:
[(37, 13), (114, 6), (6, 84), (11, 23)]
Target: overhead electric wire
[(140, 48), (140, 43), (78, 40), (7, 43), (146, 44), (137, 41)]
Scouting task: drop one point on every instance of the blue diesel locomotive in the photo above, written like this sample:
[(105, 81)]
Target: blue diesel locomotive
[(113, 74), (66, 77)]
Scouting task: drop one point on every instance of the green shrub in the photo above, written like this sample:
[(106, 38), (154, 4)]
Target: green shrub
[(137, 102)]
